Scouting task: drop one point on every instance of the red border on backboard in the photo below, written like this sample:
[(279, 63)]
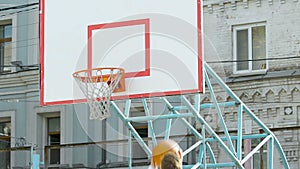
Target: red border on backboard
[(144, 22), (42, 45), (147, 34), (200, 50)]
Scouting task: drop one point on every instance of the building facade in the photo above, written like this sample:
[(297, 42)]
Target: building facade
[(253, 45)]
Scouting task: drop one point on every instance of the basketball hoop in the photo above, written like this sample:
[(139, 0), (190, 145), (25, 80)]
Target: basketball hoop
[(98, 84)]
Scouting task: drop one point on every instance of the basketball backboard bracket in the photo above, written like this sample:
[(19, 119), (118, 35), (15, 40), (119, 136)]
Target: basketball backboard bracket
[(225, 139)]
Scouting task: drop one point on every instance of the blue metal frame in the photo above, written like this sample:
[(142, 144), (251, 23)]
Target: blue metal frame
[(203, 142)]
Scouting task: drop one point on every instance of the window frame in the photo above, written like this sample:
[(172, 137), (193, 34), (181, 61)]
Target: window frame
[(250, 70), (40, 126), (3, 21), (10, 116), (265, 154), (264, 150), (7, 139), (49, 135)]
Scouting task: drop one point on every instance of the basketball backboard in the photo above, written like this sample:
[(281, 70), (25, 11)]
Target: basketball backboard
[(158, 43)]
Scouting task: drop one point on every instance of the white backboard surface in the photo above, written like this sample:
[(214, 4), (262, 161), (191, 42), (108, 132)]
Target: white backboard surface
[(158, 43)]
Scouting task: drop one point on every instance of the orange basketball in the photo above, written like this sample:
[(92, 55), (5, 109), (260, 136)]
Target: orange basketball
[(163, 148)]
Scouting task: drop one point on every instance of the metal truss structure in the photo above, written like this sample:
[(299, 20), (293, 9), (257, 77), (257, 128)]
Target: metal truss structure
[(231, 145)]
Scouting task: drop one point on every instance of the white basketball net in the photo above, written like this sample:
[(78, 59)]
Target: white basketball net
[(97, 85)]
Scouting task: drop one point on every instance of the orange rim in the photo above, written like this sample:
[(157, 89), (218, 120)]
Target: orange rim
[(96, 78), (103, 77)]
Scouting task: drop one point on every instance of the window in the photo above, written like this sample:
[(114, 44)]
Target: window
[(53, 135), (259, 159), (249, 45), (5, 130), (5, 44)]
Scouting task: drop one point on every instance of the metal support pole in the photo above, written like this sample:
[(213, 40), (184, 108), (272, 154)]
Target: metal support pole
[(187, 124), (168, 127), (150, 122), (211, 131), (192, 148), (204, 146), (127, 111), (130, 150), (222, 121), (211, 155), (271, 153), (256, 149), (131, 128), (206, 135), (249, 112), (240, 132)]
